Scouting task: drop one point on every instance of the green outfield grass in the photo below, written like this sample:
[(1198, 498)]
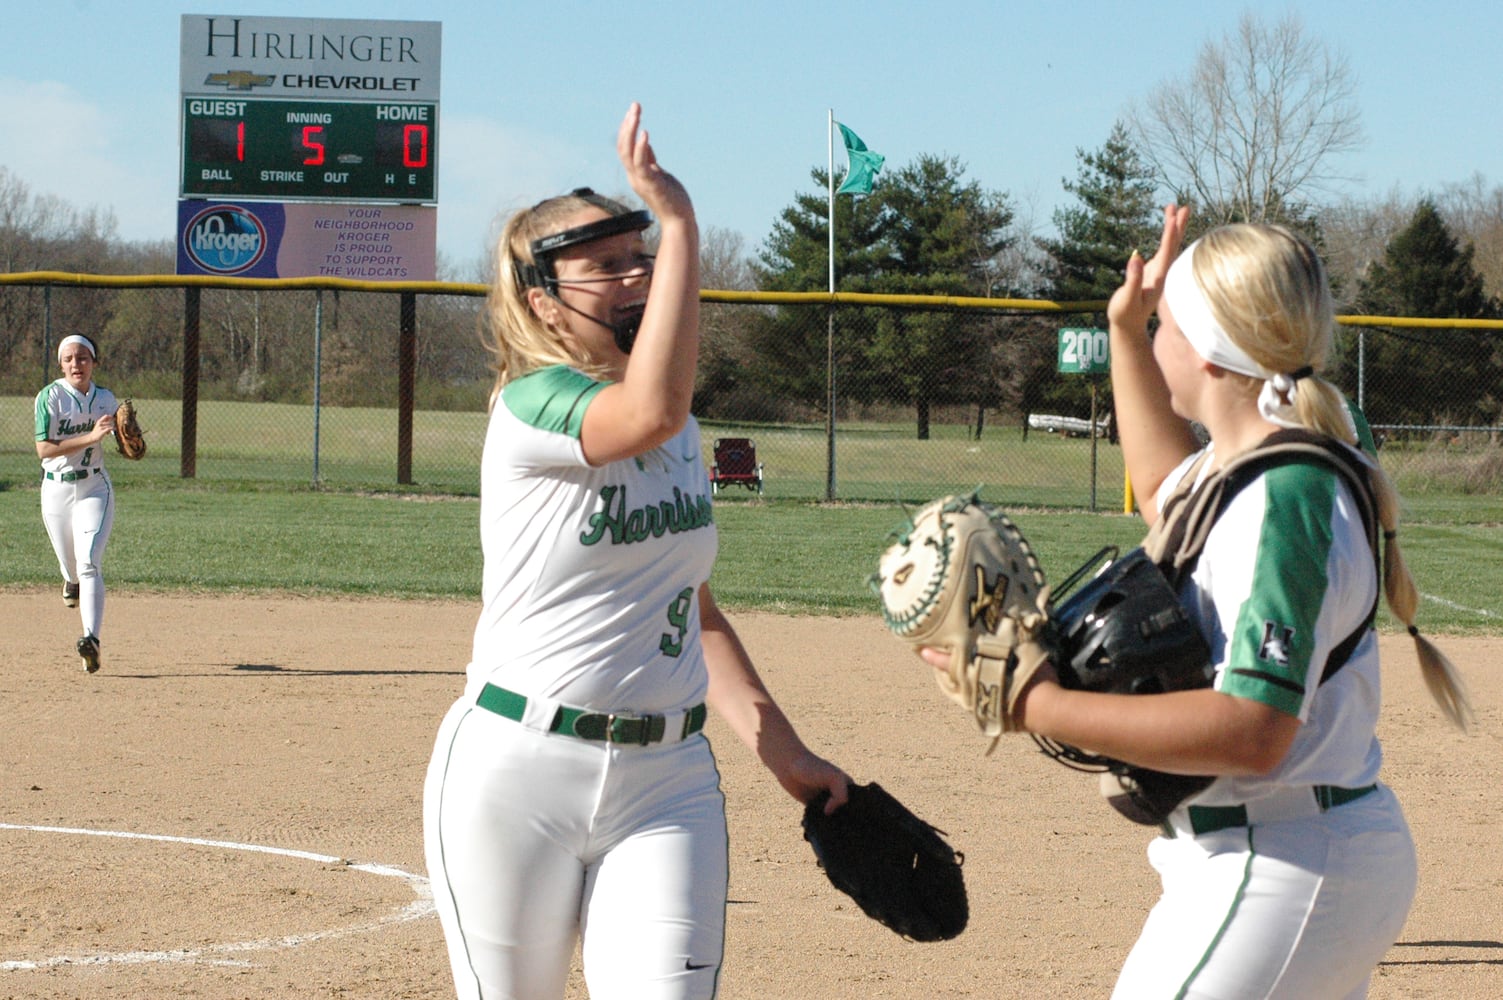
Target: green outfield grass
[(884, 462), (267, 443), (243, 445), (252, 518), (253, 443), (783, 556)]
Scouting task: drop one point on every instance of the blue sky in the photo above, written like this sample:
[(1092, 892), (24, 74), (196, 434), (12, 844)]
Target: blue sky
[(736, 96)]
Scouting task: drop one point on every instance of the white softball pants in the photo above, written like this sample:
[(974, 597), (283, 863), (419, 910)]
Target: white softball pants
[(79, 516), (1301, 909), (538, 841)]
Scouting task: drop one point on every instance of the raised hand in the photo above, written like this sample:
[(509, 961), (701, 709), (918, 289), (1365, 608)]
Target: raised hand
[(1138, 296), (659, 189)]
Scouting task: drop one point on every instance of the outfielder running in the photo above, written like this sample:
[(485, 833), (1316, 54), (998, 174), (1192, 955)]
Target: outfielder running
[(73, 418), (1292, 871), (572, 796)]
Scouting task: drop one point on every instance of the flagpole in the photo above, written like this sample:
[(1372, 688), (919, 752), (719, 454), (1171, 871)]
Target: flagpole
[(830, 184), (830, 324)]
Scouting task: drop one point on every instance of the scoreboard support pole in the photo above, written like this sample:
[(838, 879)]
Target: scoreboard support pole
[(406, 385), (188, 467)]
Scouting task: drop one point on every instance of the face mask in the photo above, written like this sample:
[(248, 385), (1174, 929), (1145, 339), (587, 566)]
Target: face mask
[(540, 274)]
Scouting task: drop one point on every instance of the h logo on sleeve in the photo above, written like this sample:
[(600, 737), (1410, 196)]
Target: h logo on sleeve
[(1276, 642)]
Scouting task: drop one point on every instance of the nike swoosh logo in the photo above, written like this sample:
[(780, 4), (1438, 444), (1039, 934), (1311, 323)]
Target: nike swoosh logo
[(691, 967)]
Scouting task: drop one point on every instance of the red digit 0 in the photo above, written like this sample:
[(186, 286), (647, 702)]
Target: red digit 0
[(419, 156)]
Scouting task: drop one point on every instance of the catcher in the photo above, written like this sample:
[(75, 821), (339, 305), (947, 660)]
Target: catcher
[(73, 418), (1287, 866)]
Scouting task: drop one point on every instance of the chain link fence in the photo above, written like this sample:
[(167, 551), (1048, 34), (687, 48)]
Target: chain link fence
[(859, 398)]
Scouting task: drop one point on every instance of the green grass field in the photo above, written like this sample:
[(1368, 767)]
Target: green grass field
[(356, 448), (785, 556), (252, 520)]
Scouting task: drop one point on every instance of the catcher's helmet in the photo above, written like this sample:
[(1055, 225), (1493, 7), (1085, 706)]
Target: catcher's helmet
[(1125, 631)]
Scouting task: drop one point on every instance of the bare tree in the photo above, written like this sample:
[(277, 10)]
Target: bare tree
[(1252, 133), (723, 351), (1474, 212), (1355, 233), (1021, 269), (724, 264), (40, 232)]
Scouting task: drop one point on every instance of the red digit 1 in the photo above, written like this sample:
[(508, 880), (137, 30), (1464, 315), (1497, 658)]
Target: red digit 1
[(310, 142), (240, 142)]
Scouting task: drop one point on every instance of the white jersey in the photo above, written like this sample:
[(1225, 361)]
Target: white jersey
[(1286, 575), (63, 412), (592, 574)]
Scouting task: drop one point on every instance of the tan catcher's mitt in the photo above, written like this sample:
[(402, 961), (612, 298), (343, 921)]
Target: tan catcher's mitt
[(128, 437), (961, 577)]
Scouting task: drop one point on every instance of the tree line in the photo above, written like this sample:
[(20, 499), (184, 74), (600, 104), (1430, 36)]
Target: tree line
[(1253, 132)]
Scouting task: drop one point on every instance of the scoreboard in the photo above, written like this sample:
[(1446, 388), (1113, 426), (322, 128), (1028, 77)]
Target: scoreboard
[(331, 110), (251, 147)]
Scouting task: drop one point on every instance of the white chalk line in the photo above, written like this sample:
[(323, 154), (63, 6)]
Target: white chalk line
[(217, 954), (1461, 607)]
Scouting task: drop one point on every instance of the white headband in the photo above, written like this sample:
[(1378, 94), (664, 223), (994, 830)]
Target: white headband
[(76, 339), (1196, 321), (1183, 296)]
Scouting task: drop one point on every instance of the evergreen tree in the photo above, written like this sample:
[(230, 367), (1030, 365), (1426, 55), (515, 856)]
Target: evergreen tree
[(942, 238), (924, 230), (1421, 376), (796, 255), (791, 344), (1116, 214)]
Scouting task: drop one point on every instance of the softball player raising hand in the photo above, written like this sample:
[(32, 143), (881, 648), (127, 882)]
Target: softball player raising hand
[(572, 797), (1291, 873)]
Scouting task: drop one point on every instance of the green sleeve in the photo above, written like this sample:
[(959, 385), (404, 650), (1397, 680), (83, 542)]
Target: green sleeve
[(43, 415), (551, 399), (1270, 647), (1365, 439)]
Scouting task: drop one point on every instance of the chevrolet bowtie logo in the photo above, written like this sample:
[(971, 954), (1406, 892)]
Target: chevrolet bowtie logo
[(239, 80)]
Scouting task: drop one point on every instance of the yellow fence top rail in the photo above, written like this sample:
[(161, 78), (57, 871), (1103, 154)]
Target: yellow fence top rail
[(79, 280)]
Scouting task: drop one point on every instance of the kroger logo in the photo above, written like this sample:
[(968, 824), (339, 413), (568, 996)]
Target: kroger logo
[(225, 239)]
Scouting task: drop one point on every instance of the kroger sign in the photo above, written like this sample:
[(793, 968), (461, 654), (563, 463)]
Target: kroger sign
[(225, 239)]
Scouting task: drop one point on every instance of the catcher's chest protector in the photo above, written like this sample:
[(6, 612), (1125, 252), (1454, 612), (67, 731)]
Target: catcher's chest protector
[(1179, 535), (1175, 543)]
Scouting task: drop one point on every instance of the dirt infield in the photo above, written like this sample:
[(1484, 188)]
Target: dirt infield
[(230, 809)]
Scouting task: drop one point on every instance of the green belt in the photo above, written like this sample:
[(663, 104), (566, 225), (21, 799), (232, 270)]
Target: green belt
[(587, 725), (1209, 819), (68, 477)]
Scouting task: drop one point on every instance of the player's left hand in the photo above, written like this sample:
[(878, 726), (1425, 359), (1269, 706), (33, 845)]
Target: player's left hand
[(1143, 282), (662, 192), (1045, 673)]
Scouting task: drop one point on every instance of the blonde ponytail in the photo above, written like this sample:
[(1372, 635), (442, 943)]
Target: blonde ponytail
[(1441, 677)]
